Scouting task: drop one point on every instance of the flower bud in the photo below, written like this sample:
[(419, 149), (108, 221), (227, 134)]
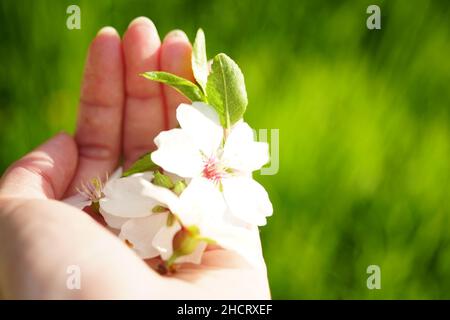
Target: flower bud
[(179, 187), (162, 180), (185, 241)]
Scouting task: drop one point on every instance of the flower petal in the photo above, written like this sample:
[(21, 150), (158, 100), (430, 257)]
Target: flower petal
[(163, 240), (161, 195), (113, 221), (201, 123), (194, 257), (78, 201), (241, 152), (140, 233), (129, 197), (177, 153), (200, 201), (244, 242), (247, 200), (116, 174)]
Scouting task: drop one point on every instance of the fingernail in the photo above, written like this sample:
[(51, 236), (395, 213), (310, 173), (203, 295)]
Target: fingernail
[(107, 30), (177, 33), (141, 20)]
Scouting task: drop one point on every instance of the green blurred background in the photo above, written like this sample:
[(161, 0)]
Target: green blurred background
[(363, 117)]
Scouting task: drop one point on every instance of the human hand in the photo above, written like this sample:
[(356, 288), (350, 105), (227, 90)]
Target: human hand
[(120, 114)]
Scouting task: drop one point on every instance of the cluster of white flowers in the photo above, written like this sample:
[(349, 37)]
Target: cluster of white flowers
[(202, 191)]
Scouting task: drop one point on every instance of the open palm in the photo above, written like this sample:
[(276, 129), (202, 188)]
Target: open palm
[(119, 115)]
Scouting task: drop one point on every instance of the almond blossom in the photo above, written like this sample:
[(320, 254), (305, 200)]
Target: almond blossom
[(200, 211), (202, 149), (91, 192), (129, 205), (126, 204), (197, 188)]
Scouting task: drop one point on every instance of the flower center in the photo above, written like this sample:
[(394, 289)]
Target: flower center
[(213, 169), (93, 190)]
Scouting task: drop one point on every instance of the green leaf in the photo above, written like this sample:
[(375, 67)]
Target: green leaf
[(199, 60), (143, 164), (225, 90), (189, 89)]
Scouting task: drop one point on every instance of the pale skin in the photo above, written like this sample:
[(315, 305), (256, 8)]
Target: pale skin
[(119, 115)]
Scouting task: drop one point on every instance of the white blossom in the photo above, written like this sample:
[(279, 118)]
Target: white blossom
[(91, 191), (202, 206), (199, 149), (221, 203)]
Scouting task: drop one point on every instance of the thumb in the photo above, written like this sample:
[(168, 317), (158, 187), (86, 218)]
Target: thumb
[(44, 172)]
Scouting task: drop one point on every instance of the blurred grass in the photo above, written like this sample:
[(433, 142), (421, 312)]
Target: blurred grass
[(363, 117)]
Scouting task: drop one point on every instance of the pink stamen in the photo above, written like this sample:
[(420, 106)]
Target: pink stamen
[(92, 190), (212, 170)]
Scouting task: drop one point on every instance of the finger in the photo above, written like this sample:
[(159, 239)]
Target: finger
[(176, 53), (43, 173), (144, 117), (99, 126)]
